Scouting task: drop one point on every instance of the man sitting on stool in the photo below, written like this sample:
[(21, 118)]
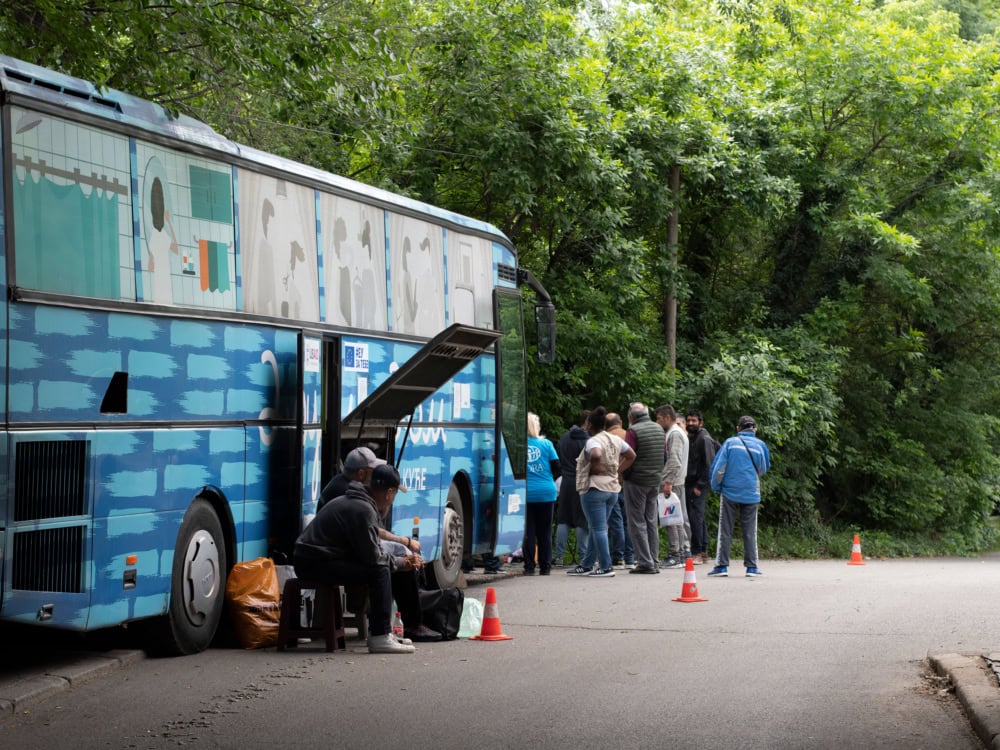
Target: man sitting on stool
[(341, 546), (358, 467)]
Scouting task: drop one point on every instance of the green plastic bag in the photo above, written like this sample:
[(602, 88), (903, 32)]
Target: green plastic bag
[(472, 618)]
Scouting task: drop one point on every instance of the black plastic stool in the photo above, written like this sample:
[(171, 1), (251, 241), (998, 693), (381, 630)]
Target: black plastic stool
[(331, 619)]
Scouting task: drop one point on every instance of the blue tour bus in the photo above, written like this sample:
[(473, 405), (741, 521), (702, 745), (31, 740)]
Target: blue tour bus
[(197, 332)]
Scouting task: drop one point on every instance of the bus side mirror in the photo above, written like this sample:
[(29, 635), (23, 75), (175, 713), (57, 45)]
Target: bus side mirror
[(545, 324)]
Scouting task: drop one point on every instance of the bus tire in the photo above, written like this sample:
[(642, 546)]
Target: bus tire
[(443, 572), (197, 585)]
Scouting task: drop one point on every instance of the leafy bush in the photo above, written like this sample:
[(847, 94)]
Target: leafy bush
[(787, 383)]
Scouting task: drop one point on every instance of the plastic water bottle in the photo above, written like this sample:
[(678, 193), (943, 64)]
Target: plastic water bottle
[(397, 623), (416, 529)]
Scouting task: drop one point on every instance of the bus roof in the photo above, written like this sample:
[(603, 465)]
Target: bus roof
[(33, 82)]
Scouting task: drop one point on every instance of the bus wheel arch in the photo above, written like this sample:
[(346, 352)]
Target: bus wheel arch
[(456, 535), (202, 554)]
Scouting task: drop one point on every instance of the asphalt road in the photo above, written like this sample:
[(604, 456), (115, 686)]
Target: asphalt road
[(816, 654)]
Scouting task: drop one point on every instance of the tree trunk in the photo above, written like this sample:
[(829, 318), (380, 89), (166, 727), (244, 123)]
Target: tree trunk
[(675, 185)]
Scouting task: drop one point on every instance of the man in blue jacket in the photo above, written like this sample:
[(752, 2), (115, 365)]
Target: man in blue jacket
[(735, 474)]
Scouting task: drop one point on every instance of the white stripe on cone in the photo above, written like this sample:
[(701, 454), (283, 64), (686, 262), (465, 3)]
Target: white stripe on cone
[(490, 612)]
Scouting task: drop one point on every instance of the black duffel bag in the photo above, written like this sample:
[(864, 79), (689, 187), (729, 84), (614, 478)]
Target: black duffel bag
[(441, 610)]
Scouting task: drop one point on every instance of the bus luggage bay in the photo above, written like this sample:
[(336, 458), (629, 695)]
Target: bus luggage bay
[(197, 332)]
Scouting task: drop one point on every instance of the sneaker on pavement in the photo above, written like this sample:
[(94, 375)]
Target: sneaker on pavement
[(641, 570), (753, 572), (403, 639), (557, 563), (387, 644), (579, 570), (672, 562), (424, 634), (719, 571), (599, 573), (619, 564)]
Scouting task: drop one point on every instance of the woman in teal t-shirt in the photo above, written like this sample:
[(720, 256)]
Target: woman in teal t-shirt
[(543, 467)]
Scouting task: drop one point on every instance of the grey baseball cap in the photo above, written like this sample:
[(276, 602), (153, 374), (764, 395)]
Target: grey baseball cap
[(361, 458)]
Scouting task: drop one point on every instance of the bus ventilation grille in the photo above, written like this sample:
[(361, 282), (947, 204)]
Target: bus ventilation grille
[(506, 273), (42, 83), (48, 560), (454, 351), (50, 479)]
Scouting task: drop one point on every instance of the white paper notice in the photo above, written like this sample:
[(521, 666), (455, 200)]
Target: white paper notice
[(513, 503), (461, 398), (310, 351)]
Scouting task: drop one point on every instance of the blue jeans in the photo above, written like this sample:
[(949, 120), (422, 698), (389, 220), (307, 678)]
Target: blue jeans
[(562, 537), (597, 507), (621, 543)]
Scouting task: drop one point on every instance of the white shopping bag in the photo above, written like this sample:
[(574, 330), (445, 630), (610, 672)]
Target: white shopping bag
[(669, 510)]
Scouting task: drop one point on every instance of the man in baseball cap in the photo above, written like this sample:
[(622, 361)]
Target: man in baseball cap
[(343, 545), (358, 467), (361, 458), (736, 471)]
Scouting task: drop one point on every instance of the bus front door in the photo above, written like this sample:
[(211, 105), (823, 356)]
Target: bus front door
[(314, 372)]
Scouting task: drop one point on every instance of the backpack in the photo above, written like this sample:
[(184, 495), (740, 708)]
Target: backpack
[(582, 472)]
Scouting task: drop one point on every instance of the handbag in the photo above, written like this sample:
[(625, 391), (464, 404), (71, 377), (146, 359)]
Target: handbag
[(441, 610), (669, 510)]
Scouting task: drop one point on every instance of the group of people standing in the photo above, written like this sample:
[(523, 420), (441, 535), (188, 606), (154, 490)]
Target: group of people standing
[(604, 479), (604, 482)]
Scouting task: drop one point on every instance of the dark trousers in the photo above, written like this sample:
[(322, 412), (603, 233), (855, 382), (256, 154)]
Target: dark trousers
[(696, 517), (538, 530), (405, 590), (351, 572)]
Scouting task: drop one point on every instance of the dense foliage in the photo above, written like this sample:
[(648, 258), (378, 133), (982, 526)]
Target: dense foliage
[(837, 257)]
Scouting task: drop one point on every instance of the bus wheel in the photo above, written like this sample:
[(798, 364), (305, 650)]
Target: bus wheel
[(197, 584), (443, 572)]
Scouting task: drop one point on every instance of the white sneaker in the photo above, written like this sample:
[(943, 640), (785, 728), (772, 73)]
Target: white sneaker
[(387, 644), (403, 640)]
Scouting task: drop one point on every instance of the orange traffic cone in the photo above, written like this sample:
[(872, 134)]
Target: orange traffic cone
[(689, 591), (491, 621), (856, 552)]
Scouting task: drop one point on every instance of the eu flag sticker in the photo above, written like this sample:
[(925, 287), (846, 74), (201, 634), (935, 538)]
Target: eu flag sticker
[(356, 357)]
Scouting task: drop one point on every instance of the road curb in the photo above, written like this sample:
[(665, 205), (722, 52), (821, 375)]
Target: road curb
[(23, 690), (976, 690)]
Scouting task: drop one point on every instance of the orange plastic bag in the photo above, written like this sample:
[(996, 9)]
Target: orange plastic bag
[(255, 602)]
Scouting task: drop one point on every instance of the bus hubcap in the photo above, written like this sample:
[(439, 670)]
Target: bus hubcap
[(453, 538), (201, 577)]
